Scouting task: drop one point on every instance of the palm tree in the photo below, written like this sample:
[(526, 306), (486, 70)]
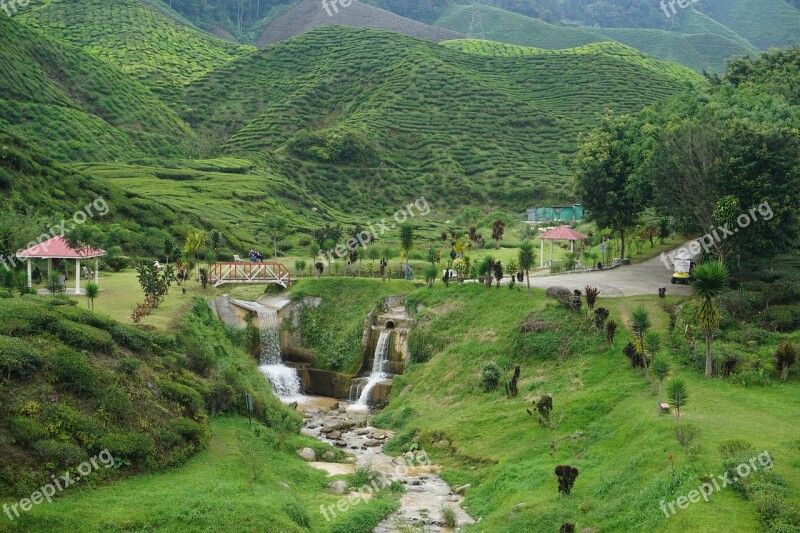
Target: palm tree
[(527, 257), (652, 344), (660, 371), (407, 244), (640, 324), (194, 243), (678, 396), (710, 279), (91, 293)]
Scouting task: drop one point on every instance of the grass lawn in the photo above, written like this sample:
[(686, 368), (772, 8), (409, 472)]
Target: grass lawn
[(233, 486)]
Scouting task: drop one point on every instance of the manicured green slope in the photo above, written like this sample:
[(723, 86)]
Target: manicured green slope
[(160, 52), (74, 105), (705, 48), (702, 51), (509, 27), (423, 116)]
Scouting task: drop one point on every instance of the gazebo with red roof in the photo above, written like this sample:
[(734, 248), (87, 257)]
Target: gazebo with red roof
[(561, 233), (59, 248)]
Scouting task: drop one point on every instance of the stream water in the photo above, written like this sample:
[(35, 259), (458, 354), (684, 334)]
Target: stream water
[(426, 494)]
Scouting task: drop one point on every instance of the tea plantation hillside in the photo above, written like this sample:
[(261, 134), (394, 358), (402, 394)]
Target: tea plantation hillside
[(368, 115), (76, 106), (76, 383), (701, 50), (160, 52)]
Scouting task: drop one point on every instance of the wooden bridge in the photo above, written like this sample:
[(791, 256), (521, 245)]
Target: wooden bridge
[(223, 273)]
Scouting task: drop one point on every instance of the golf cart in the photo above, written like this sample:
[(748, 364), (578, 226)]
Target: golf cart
[(684, 264)]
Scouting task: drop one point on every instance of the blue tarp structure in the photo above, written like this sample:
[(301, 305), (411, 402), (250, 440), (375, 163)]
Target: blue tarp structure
[(568, 213)]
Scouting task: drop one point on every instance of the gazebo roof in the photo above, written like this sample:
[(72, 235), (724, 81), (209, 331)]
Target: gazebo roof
[(562, 233), (58, 248)]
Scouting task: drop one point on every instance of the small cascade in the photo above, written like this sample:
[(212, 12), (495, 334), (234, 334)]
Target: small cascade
[(379, 371), (283, 379), (270, 341)]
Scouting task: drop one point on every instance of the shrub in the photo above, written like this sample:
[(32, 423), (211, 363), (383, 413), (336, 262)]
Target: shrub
[(490, 376), (566, 478), (131, 338), (298, 514), (129, 365), (736, 303), (116, 402), (423, 346), (63, 454), (73, 371), (17, 359), (182, 394), (133, 447), (782, 317), (82, 316), (83, 336), (23, 316), (27, 431), (191, 431)]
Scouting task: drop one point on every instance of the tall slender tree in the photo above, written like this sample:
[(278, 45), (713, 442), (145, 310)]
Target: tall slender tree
[(710, 279), (407, 244), (527, 258)]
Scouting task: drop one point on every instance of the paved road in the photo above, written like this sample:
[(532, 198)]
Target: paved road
[(644, 278)]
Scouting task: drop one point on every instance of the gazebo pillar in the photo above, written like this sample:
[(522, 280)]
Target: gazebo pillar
[(572, 247), (77, 276), (541, 255), (30, 272), (49, 267), (96, 271), (551, 252)]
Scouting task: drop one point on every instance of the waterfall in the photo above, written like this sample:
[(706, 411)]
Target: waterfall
[(270, 341), (284, 380), (379, 369)]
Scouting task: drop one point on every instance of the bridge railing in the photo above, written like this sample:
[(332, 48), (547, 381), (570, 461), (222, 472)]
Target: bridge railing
[(222, 273)]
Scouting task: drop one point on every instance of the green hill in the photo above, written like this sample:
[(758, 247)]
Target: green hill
[(705, 48), (160, 52), (767, 24), (418, 116), (509, 27), (702, 51), (76, 106)]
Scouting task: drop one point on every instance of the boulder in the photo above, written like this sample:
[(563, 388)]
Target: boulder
[(307, 454), (339, 487), (461, 489)]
